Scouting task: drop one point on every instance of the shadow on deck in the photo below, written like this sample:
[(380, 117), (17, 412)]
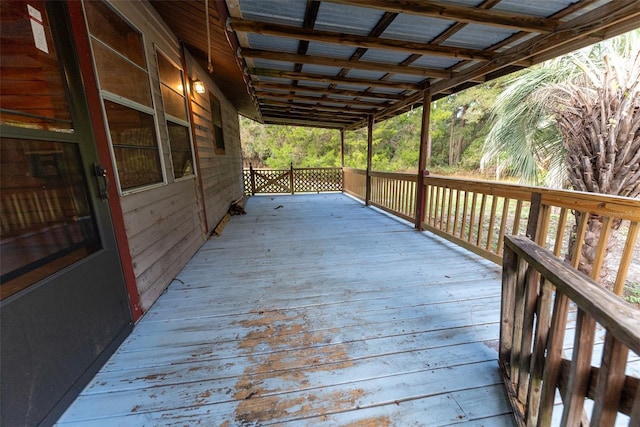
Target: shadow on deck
[(312, 310)]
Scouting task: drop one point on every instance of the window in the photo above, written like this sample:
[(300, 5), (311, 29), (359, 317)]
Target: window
[(119, 55), (31, 68), (216, 115), (172, 88)]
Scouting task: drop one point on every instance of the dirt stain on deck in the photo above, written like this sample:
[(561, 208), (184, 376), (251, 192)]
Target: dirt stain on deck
[(272, 388)]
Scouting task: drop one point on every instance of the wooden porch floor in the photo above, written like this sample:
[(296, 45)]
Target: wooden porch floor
[(312, 310)]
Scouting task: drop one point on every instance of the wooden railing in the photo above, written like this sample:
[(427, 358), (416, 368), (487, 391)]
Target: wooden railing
[(355, 182), (537, 292), (574, 225), (394, 193), (292, 180), (391, 192)]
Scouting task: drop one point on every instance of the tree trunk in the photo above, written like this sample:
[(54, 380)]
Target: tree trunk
[(590, 244)]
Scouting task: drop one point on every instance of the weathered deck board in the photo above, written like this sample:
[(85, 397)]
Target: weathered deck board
[(312, 310)]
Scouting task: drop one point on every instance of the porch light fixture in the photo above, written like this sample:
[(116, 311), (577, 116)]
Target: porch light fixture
[(198, 86)]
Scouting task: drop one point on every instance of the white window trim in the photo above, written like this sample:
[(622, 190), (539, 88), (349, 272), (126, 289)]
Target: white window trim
[(176, 120), (106, 95)]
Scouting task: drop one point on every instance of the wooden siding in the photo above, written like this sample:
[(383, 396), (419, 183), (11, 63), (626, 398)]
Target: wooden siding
[(312, 310), (165, 225), (221, 173)]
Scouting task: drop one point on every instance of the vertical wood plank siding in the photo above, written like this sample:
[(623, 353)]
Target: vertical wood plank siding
[(165, 225)]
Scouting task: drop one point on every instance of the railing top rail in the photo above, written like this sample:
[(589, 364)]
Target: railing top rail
[(403, 176), (615, 315), (602, 204)]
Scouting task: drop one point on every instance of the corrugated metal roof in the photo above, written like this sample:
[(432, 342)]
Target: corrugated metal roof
[(364, 54)]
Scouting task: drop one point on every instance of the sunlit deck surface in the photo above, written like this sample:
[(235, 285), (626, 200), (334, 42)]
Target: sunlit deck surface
[(312, 310)]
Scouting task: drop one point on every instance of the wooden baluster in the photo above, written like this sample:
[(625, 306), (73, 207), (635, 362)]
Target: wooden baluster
[(472, 215), (531, 301), (543, 324), (456, 213), (509, 277), (492, 222), (518, 321), (578, 382), (635, 411), (517, 218), (463, 222), (562, 224), (579, 240), (483, 206), (610, 382), (601, 251), (443, 202), (551, 372), (449, 207), (503, 224), (627, 256)]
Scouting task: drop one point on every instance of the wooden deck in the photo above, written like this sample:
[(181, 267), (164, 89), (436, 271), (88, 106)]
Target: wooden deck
[(312, 310)]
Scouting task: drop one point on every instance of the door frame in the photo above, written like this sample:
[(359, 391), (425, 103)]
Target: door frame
[(94, 102)]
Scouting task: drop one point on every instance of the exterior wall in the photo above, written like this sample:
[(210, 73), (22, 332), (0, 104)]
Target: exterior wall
[(221, 174), (165, 224)]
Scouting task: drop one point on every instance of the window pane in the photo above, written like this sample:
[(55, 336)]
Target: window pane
[(180, 150), (173, 103), (135, 146), (170, 75), (216, 116), (47, 223), (111, 29), (32, 93), (121, 77)]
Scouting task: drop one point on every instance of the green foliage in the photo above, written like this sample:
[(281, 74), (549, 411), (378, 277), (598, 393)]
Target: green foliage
[(634, 293), (396, 141)]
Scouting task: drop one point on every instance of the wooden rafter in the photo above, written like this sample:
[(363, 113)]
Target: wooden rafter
[(290, 96), (369, 42), (344, 63), (457, 13), (318, 107), (325, 91), (334, 79)]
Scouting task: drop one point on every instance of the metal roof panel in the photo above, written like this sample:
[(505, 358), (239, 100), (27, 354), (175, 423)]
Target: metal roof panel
[(278, 11), (347, 19), (415, 28)]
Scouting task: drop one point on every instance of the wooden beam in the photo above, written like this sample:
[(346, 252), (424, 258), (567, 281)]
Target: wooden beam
[(342, 147), (367, 198), (295, 109), (422, 159), (345, 63), (368, 42), (326, 91), (294, 97), (336, 119), (470, 15), (342, 110), (333, 79), (307, 123), (568, 36)]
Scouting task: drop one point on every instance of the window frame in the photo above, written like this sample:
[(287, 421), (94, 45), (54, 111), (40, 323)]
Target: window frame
[(176, 120), (216, 147), (129, 103)]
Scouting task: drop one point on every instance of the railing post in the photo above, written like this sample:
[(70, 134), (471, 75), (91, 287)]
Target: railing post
[(534, 216), (253, 180), (422, 160), (367, 198), (291, 177)]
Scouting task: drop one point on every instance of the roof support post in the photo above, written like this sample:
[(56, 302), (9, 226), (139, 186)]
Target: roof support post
[(342, 148), (422, 159), (367, 198)]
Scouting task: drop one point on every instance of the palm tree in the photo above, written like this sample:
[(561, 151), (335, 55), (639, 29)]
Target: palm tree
[(574, 122)]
